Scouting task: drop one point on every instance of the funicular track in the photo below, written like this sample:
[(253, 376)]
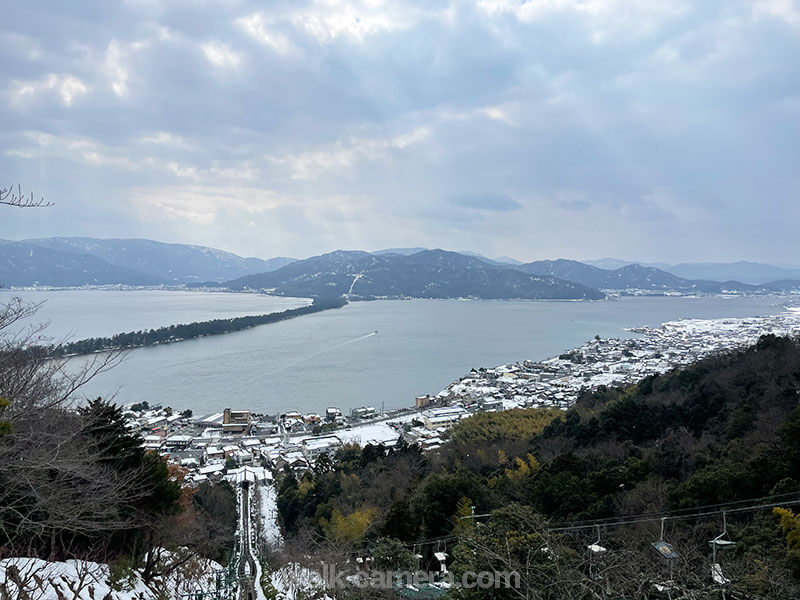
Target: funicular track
[(247, 564)]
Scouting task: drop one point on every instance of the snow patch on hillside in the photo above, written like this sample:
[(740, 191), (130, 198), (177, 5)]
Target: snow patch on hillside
[(85, 580)]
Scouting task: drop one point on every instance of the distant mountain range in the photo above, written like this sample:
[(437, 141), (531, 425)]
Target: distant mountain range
[(746, 272), (424, 274), (74, 261), (23, 264), (635, 276), (394, 272)]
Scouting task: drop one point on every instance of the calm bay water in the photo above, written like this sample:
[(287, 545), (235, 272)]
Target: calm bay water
[(82, 314), (336, 358)]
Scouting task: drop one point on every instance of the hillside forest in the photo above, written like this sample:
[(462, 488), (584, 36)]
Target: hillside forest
[(714, 447)]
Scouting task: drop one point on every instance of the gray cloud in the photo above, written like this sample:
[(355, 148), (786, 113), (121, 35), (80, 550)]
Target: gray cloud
[(486, 201), (306, 126)]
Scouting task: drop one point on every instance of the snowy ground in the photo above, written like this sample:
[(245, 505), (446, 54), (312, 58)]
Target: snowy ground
[(85, 580), (365, 433), (379, 432), (269, 512), (293, 581)]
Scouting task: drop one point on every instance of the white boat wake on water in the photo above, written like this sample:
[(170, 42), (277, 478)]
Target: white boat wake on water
[(302, 359)]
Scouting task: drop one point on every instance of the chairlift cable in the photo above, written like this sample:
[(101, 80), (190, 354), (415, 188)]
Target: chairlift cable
[(676, 515)]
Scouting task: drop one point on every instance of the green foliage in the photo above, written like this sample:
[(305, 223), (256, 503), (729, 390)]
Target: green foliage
[(436, 501), (790, 524), (350, 527), (106, 431), (518, 424), (355, 481), (574, 356), (324, 428), (392, 555), (514, 538), (217, 505), (122, 574), (398, 520), (724, 429), (269, 590)]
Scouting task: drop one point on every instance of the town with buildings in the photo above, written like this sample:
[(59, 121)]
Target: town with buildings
[(213, 446)]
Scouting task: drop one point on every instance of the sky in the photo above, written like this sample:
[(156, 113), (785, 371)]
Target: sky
[(652, 130)]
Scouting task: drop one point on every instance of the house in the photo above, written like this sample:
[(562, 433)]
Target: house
[(157, 421), (243, 457), (213, 472), (363, 412), (298, 464), (293, 425), (249, 474), (314, 447), (236, 421), (444, 416), (212, 452), (173, 420), (214, 420), (422, 401), (236, 416), (431, 443), (269, 442), (490, 404), (152, 442), (178, 441), (252, 445)]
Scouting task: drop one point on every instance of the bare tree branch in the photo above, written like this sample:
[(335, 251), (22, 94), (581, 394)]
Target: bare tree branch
[(11, 197)]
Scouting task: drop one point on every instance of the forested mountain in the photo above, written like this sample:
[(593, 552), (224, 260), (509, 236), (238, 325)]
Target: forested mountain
[(76, 483), (426, 274), (723, 433), (412, 272), (403, 251), (173, 263), (744, 271), (635, 276), (24, 264), (442, 274)]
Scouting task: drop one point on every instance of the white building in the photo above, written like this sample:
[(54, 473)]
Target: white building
[(443, 417), (315, 446)]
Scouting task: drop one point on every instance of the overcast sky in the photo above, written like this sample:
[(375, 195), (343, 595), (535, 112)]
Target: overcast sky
[(643, 129)]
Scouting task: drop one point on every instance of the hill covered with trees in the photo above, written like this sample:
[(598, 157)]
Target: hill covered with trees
[(722, 435), (76, 483), (425, 274)]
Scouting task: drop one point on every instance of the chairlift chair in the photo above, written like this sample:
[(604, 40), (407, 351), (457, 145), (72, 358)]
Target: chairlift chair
[(442, 558), (595, 572), (667, 552), (721, 542), (665, 549), (417, 554), (596, 548)]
